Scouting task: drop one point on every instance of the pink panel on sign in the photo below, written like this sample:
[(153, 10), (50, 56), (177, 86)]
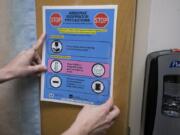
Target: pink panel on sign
[(79, 68)]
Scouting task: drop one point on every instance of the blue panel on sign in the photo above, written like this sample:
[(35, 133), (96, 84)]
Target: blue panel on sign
[(79, 53)]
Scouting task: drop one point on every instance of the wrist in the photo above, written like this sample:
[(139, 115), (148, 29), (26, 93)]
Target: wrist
[(6, 74), (76, 130)]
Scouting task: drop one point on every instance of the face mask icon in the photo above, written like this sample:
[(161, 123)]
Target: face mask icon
[(55, 82)]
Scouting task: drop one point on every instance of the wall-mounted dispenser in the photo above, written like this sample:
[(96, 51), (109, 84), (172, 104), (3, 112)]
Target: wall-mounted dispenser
[(161, 104)]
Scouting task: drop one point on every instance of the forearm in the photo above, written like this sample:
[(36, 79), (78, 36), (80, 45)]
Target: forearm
[(75, 130), (5, 75)]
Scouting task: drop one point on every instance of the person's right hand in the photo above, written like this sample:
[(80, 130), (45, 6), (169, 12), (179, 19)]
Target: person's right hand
[(28, 62), (95, 120)]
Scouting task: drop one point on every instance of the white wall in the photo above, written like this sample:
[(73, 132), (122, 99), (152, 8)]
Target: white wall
[(164, 29), (157, 28)]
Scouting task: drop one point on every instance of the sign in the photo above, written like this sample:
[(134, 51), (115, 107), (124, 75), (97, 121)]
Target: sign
[(79, 52)]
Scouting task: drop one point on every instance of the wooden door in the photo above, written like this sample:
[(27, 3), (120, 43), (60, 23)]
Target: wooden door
[(56, 118)]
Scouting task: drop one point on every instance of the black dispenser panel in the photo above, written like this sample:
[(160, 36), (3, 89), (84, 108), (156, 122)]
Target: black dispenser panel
[(161, 103), (171, 96)]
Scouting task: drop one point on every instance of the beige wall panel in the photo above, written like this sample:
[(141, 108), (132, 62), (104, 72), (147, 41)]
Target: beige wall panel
[(55, 118)]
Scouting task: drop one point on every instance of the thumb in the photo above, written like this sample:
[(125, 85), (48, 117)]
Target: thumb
[(37, 69), (108, 105)]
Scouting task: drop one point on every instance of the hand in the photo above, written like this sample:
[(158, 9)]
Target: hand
[(94, 120), (28, 62)]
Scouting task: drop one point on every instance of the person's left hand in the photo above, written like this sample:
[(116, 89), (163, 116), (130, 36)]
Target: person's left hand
[(28, 62), (94, 120)]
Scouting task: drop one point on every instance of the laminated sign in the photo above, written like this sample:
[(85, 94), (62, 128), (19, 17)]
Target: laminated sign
[(79, 53)]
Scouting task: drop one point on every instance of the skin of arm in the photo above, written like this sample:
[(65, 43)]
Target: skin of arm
[(94, 120), (28, 62), (5, 75)]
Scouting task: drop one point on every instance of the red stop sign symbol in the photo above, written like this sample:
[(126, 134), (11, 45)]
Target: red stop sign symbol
[(101, 20), (56, 19)]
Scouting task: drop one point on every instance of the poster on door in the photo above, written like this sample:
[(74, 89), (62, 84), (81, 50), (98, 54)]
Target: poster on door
[(79, 53)]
